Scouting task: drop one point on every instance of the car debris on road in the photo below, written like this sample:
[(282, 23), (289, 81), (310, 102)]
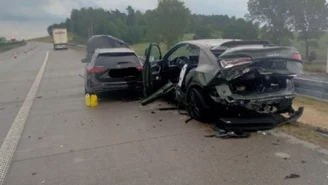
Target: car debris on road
[(243, 85)]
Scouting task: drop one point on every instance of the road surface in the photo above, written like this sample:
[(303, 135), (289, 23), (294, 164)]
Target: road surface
[(122, 143)]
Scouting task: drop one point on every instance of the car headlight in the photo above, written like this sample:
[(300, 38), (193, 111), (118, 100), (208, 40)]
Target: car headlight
[(228, 63)]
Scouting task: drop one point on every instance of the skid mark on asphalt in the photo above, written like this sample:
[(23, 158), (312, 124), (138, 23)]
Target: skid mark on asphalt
[(9, 145)]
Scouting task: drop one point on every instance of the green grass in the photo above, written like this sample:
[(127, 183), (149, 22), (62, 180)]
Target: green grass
[(316, 68), (321, 50), (188, 36), (48, 39), (11, 44)]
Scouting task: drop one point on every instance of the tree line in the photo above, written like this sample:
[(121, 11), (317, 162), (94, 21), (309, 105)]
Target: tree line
[(134, 26), (278, 21)]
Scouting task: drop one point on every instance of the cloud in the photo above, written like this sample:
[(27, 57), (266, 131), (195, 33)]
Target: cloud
[(236, 8), (21, 14), (23, 30)]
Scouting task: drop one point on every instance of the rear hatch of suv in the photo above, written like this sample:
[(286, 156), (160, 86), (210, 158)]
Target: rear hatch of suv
[(118, 67)]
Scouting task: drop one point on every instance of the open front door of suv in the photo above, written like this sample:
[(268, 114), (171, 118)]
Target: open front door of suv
[(152, 69)]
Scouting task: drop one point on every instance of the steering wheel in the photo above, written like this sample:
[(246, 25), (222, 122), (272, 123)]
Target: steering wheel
[(181, 61)]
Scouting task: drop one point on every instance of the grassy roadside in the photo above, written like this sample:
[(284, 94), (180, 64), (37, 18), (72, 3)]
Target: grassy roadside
[(314, 116), (305, 132), (48, 39), (314, 67), (3, 49)]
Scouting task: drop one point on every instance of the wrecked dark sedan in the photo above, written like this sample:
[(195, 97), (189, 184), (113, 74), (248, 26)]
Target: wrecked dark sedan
[(225, 78)]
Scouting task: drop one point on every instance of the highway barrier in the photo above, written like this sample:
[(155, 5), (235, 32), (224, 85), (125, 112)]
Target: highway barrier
[(10, 45), (312, 88)]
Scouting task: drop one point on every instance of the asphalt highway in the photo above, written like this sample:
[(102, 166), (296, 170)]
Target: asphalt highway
[(48, 136)]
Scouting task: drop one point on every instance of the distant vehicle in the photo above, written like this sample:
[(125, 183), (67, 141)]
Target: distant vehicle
[(60, 39), (216, 77), (102, 41), (113, 69)]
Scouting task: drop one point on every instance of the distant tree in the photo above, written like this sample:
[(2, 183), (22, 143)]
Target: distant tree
[(2, 39), (310, 20), (275, 18), (241, 29), (169, 21), (131, 17), (49, 30), (203, 32)]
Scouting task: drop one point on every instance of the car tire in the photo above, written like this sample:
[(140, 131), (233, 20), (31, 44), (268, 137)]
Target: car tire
[(197, 105)]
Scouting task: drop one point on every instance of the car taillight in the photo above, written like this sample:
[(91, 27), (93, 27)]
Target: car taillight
[(296, 56), (96, 69), (227, 63), (139, 68)]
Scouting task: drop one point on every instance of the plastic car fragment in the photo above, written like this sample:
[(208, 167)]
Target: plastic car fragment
[(169, 87)]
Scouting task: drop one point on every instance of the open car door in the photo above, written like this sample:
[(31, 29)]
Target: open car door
[(153, 54), (150, 75)]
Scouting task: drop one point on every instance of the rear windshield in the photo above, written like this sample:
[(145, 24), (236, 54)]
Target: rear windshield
[(110, 58), (103, 42), (217, 53)]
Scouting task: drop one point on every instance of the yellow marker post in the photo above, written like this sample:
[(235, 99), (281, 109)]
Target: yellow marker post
[(94, 100), (87, 100)]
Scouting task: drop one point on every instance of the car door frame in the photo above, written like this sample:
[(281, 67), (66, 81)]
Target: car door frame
[(150, 79), (157, 79)]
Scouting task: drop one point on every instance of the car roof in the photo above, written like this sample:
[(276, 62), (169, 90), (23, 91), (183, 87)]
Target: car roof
[(223, 43), (114, 50), (105, 36), (257, 47), (208, 43)]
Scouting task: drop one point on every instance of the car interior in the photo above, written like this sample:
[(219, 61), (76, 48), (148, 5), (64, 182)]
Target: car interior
[(186, 54)]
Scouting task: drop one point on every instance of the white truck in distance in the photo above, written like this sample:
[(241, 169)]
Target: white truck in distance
[(60, 38)]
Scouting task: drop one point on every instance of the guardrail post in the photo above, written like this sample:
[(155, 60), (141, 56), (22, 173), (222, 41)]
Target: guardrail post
[(327, 60)]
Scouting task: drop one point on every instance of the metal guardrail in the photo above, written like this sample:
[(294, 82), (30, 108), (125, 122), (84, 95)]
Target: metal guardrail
[(77, 45), (313, 88), (11, 44)]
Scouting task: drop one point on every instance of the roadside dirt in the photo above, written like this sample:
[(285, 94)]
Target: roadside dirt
[(314, 116), (306, 132), (315, 112)]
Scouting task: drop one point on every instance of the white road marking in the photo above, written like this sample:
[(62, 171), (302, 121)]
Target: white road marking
[(9, 145)]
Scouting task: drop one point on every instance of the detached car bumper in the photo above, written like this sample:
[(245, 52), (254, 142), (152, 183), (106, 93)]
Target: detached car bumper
[(261, 122)]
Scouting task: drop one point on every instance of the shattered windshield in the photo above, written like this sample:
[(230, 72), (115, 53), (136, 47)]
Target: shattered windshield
[(163, 92)]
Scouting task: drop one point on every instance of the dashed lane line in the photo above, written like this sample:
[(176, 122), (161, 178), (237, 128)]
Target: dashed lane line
[(9, 145)]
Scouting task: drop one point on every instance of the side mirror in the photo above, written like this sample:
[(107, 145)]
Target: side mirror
[(146, 51), (84, 60)]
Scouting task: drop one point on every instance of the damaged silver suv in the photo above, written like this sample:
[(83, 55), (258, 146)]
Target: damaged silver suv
[(221, 78)]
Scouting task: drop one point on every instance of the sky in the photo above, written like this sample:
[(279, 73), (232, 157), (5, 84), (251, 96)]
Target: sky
[(25, 19)]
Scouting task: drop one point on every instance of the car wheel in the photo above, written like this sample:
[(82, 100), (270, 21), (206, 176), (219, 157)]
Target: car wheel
[(197, 105)]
